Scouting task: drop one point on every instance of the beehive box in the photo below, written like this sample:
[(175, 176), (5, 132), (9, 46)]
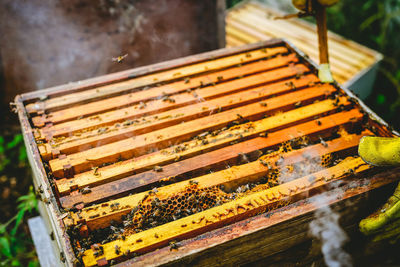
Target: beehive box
[(210, 159), (353, 65)]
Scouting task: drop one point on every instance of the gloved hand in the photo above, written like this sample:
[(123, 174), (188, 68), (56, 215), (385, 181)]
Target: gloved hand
[(382, 151), (306, 5)]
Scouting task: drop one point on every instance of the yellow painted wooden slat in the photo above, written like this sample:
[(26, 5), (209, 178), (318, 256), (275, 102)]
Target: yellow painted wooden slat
[(231, 178), (85, 141), (129, 167), (83, 161), (207, 220), (113, 172)]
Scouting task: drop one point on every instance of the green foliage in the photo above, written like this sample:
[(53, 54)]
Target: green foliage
[(16, 248), (12, 150), (231, 3), (376, 24)]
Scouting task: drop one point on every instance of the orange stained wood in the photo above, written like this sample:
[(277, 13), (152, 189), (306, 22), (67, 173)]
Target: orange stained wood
[(94, 138), (163, 104), (172, 74), (231, 178), (230, 212), (116, 102), (134, 147), (114, 172)]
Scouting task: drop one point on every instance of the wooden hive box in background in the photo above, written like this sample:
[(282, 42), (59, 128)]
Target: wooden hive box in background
[(212, 159), (353, 65)]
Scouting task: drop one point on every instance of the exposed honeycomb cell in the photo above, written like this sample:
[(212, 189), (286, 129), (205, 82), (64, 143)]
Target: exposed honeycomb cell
[(326, 160), (178, 205), (273, 174), (286, 147)]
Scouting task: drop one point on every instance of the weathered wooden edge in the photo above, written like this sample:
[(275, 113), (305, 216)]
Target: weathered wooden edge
[(48, 205), (211, 247), (145, 70)]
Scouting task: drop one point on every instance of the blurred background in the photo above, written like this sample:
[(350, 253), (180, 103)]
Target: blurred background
[(48, 43)]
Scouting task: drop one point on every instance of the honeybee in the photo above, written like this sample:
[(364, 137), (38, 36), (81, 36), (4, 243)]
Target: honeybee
[(173, 245), (193, 182), (117, 250), (119, 59)]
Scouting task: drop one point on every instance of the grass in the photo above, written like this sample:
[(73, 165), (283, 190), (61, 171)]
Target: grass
[(16, 247)]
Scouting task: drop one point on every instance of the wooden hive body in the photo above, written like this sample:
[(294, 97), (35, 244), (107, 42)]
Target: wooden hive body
[(212, 151)]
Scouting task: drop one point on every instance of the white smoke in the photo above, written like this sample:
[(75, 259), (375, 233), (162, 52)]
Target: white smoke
[(326, 228), (305, 164)]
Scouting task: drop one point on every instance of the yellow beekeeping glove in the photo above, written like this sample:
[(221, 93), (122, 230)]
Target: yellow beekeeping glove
[(382, 151)]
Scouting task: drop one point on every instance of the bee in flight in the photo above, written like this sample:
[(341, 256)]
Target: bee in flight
[(119, 58)]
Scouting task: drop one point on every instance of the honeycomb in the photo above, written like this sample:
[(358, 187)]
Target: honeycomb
[(326, 160), (152, 211), (283, 174)]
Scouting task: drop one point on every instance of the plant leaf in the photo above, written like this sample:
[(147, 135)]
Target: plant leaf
[(380, 99), (2, 228), (15, 142), (15, 262), (18, 220), (5, 248)]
